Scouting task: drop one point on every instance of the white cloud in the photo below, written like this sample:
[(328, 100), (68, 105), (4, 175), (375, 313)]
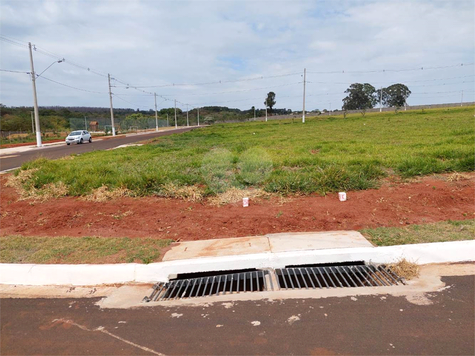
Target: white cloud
[(160, 42)]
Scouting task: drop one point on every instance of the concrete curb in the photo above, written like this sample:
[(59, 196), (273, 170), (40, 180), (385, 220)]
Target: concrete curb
[(31, 274)]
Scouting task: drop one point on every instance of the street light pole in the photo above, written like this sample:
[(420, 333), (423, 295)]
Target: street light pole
[(112, 110), (198, 116), (304, 79), (176, 125), (32, 123), (187, 121), (266, 113), (156, 114), (35, 100), (381, 100)]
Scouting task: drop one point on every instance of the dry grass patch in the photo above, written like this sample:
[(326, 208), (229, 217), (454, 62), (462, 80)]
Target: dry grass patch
[(456, 177), (235, 195), (405, 269), (18, 181), (103, 194), (48, 191), (189, 193)]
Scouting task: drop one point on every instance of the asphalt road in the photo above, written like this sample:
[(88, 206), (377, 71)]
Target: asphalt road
[(57, 151), (362, 325)]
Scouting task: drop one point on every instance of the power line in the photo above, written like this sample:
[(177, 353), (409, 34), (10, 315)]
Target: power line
[(13, 42), (214, 82), (69, 86), (392, 70), (13, 71), (240, 91), (126, 101), (405, 81), (443, 92), (56, 56)]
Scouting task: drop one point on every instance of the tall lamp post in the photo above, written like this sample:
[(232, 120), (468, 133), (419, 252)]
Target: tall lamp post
[(35, 99)]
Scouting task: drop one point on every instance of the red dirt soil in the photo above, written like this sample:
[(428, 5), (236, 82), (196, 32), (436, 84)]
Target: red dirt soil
[(429, 199)]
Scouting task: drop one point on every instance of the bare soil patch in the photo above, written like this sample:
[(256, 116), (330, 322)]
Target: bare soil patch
[(426, 200)]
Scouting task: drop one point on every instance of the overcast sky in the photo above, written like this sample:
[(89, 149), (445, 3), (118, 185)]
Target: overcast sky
[(160, 43)]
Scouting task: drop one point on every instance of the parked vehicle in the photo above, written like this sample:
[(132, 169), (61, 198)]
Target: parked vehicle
[(78, 137)]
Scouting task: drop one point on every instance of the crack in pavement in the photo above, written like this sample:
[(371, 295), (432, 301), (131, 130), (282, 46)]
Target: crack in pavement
[(103, 330)]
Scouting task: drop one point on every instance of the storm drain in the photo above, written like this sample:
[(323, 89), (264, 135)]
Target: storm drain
[(336, 276), (212, 283)]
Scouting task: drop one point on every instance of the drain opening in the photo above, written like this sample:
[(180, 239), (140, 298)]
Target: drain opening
[(330, 264), (336, 276), (211, 283)]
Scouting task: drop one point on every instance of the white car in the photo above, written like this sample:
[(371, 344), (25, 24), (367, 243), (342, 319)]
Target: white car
[(78, 137)]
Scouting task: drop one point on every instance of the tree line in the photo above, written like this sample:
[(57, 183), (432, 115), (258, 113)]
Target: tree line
[(58, 119), (365, 96)]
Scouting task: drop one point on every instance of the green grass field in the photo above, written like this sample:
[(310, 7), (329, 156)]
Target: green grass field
[(415, 234), (21, 249), (326, 154)]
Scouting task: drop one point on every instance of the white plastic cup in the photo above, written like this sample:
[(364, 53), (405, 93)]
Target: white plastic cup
[(245, 202), (342, 196)]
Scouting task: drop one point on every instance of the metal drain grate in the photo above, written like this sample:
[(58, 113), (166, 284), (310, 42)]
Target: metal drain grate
[(217, 284), (336, 277)]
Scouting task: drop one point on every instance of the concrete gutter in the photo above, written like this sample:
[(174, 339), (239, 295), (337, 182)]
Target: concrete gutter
[(36, 274)]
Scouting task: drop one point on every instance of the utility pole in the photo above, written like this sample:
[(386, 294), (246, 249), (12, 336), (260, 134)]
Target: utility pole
[(304, 79), (168, 122), (461, 101), (405, 105), (32, 123), (112, 110), (198, 116), (266, 113), (156, 115), (176, 125), (85, 123), (187, 122), (35, 100), (381, 100), (254, 113)]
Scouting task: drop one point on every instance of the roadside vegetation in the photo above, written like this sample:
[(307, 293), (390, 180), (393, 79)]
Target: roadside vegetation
[(326, 154), (415, 234), (22, 249), (75, 250)]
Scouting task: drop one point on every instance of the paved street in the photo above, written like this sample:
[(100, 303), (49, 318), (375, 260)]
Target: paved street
[(56, 151), (362, 325)]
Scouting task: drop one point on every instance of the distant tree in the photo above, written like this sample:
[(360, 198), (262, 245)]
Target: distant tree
[(253, 111), (270, 100), (360, 97), (170, 111), (394, 95)]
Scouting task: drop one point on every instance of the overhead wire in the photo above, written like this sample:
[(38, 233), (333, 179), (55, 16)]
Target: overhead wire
[(72, 87), (13, 71), (141, 88), (390, 70)]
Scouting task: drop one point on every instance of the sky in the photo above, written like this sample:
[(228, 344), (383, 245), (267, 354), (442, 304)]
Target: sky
[(232, 53)]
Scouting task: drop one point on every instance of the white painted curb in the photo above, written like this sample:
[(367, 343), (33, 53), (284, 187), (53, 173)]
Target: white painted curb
[(31, 274)]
